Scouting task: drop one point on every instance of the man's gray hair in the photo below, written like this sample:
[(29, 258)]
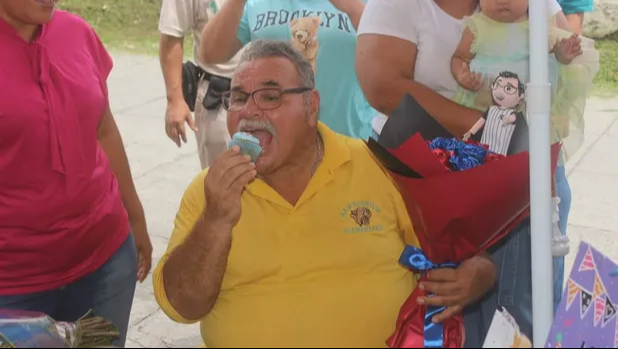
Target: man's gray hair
[(259, 49)]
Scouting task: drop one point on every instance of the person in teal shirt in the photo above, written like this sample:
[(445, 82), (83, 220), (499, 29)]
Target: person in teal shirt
[(323, 31)]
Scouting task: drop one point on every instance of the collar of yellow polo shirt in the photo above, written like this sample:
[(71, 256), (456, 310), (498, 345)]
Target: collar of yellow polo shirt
[(322, 273)]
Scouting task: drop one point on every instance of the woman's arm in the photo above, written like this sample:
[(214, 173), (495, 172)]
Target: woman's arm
[(219, 41), (563, 22), (555, 9), (111, 142), (385, 69)]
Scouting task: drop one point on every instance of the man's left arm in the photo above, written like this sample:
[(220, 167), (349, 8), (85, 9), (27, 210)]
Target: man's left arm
[(353, 8), (176, 21), (111, 142)]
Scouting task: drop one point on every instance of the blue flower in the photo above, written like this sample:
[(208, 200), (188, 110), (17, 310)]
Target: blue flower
[(474, 151), (449, 144), (462, 163), (464, 155)]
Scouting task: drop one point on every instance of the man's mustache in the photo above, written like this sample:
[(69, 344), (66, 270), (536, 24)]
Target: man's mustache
[(247, 125)]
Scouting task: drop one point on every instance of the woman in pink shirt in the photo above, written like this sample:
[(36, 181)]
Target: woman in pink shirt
[(73, 235)]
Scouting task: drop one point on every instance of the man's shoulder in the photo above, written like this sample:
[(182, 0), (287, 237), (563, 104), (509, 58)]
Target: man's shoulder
[(198, 180), (358, 147), (363, 160), (368, 176), (196, 186), (185, 3), (252, 3), (355, 146), (180, 17)]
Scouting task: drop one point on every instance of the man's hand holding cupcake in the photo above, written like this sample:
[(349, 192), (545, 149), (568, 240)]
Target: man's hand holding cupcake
[(224, 183)]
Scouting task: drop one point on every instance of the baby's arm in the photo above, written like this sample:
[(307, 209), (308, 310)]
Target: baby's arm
[(460, 64)]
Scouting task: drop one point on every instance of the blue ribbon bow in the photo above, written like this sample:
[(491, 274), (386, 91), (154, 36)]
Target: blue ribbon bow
[(415, 259)]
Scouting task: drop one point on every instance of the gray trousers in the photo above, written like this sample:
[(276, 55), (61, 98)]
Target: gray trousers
[(212, 134)]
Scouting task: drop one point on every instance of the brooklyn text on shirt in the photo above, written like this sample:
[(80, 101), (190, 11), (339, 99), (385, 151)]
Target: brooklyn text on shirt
[(359, 216), (267, 19)]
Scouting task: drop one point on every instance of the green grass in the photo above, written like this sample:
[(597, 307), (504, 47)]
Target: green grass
[(131, 25), (606, 81), (124, 25)]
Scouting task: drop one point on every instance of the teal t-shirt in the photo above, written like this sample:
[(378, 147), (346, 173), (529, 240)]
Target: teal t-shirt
[(327, 39)]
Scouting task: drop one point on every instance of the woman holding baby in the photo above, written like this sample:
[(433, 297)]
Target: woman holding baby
[(419, 47)]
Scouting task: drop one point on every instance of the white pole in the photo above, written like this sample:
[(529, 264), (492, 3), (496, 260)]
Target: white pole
[(538, 108)]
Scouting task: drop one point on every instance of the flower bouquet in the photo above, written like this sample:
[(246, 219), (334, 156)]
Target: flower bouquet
[(25, 329), (461, 198)]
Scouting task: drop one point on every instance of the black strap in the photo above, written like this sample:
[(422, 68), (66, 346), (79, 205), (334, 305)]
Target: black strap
[(216, 87), (191, 76)]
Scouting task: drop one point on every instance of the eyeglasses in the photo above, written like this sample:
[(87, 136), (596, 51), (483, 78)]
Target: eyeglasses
[(509, 89), (265, 98)]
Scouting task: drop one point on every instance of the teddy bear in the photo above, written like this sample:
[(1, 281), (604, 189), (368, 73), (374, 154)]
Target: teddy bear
[(305, 37)]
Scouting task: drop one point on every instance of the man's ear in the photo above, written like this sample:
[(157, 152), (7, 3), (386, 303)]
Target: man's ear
[(314, 107)]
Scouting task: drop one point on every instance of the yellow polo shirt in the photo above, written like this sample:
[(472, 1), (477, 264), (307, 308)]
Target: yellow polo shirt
[(322, 273)]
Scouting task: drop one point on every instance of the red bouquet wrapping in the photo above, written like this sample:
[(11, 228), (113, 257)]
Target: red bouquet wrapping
[(457, 215), (461, 202)]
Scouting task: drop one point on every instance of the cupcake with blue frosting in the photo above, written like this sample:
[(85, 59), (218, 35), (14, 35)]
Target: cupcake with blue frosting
[(248, 144)]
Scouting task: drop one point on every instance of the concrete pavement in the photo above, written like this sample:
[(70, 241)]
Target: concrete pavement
[(162, 171)]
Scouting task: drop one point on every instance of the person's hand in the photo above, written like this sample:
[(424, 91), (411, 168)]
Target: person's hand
[(224, 183), (143, 246), (469, 80), (457, 288), (176, 115), (568, 49), (511, 118)]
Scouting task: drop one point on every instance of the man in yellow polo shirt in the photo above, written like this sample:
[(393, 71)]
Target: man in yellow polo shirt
[(300, 248)]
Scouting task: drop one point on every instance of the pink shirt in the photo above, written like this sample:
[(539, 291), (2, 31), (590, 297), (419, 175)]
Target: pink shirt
[(61, 214)]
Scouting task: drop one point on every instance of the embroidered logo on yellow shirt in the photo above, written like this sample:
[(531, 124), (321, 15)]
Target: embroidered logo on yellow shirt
[(360, 215)]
